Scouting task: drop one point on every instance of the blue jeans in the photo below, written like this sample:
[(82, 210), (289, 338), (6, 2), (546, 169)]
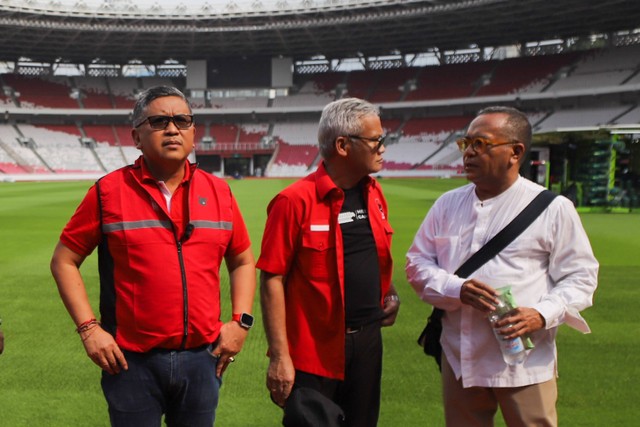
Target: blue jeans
[(182, 385)]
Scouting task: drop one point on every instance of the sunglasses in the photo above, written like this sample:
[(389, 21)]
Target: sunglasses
[(181, 121), (379, 140), (478, 144)]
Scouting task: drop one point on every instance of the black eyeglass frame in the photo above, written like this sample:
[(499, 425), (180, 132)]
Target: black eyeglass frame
[(164, 121), (379, 140), (482, 147)]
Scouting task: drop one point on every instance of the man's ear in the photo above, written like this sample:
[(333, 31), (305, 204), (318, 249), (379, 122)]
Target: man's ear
[(341, 144), (518, 152), (136, 138)]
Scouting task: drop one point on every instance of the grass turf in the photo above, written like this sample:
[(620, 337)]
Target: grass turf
[(47, 380)]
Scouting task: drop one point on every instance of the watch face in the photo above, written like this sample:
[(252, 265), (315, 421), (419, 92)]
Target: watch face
[(246, 320)]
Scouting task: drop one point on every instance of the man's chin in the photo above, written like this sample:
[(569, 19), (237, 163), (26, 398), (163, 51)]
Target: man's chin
[(376, 168), (469, 173)]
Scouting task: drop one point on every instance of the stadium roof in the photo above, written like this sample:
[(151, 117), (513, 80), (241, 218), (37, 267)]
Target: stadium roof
[(118, 31)]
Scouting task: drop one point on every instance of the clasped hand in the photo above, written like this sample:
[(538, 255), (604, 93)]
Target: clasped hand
[(518, 322)]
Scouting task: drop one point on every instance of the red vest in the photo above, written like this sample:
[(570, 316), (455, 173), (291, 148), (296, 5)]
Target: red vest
[(161, 288)]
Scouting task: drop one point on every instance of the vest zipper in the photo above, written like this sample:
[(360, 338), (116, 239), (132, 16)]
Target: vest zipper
[(185, 296)]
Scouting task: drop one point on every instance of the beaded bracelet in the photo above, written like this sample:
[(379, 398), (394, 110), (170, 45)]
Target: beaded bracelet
[(85, 326)]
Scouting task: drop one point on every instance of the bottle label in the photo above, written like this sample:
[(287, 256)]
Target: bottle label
[(513, 346)]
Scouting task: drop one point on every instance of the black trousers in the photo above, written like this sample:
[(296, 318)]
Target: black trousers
[(359, 394)]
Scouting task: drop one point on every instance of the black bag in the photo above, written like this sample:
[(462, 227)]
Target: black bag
[(429, 339)]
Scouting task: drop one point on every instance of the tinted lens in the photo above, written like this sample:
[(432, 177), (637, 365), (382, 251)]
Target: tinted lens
[(158, 122), (463, 143), (182, 121), (478, 145)]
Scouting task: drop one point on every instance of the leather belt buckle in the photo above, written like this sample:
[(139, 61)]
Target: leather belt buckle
[(350, 330)]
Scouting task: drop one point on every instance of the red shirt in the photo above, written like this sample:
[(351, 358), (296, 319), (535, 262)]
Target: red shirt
[(160, 287), (303, 242)]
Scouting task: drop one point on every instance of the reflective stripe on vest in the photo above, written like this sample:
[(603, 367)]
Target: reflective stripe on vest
[(152, 223), (214, 225)]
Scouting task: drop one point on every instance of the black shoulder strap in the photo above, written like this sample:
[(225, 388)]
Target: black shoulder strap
[(507, 234), (502, 239)]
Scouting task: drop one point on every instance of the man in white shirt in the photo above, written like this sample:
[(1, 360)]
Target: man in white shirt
[(550, 268)]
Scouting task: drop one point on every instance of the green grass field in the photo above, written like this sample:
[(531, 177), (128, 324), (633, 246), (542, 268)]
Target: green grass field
[(47, 380)]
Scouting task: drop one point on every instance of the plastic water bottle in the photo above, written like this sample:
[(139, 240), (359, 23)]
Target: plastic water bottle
[(513, 350)]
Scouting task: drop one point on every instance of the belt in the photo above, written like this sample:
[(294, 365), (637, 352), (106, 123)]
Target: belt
[(353, 330)]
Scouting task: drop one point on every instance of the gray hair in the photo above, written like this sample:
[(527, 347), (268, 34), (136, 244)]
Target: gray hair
[(518, 125), (145, 98), (340, 118)]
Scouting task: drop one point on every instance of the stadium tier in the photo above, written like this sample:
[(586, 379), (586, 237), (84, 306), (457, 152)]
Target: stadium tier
[(424, 109)]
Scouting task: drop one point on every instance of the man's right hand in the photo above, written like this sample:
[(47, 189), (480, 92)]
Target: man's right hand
[(103, 350), (478, 295), (280, 378)]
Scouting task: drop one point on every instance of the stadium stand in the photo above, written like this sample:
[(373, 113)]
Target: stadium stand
[(21, 151), (123, 135), (35, 92), (253, 132), (296, 133), (419, 142), (62, 151), (310, 94), (525, 74), (448, 81), (600, 68), (101, 133), (292, 159), (583, 117), (632, 116), (223, 133)]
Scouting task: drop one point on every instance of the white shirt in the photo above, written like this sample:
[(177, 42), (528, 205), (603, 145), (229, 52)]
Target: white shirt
[(550, 267)]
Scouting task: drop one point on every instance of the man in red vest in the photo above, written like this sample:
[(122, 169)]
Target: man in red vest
[(162, 228)]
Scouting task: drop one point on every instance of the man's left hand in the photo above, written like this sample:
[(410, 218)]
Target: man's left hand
[(523, 321), (390, 310)]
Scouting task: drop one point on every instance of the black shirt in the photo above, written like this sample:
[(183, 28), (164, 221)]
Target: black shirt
[(361, 269)]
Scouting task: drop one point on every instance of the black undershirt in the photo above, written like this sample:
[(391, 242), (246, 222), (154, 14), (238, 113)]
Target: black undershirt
[(361, 269)]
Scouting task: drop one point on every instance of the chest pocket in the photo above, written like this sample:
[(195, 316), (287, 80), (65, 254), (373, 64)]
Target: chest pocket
[(318, 254)]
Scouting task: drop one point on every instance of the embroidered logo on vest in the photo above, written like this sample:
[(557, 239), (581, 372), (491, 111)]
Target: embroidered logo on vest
[(382, 215)]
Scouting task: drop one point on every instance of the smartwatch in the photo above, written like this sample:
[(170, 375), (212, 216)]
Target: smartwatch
[(244, 319)]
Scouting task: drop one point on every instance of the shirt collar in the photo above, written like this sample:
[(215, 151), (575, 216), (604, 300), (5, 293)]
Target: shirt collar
[(145, 173), (325, 185)]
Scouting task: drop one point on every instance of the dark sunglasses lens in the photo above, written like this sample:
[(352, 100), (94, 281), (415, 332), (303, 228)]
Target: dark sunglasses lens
[(182, 121), (158, 122)]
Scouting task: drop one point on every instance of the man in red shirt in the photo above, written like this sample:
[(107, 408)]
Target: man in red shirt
[(163, 228), (326, 270)]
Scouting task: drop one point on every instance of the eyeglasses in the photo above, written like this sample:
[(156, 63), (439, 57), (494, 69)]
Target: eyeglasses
[(478, 144), (181, 121), (379, 140)]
